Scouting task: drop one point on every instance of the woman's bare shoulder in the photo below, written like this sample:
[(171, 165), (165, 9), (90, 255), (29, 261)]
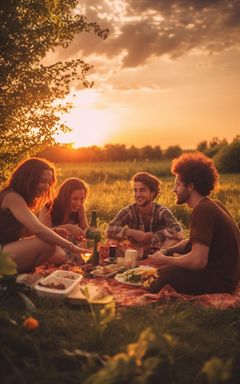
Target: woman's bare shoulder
[(12, 197)]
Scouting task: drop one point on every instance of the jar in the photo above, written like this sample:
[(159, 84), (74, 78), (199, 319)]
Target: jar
[(130, 258)]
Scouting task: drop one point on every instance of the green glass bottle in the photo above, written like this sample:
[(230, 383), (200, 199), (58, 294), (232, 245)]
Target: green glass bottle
[(93, 237), (92, 232)]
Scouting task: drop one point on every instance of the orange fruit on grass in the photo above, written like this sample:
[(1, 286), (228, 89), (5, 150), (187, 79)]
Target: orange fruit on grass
[(30, 323)]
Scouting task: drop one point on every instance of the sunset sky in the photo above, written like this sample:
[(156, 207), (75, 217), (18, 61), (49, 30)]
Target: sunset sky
[(167, 74)]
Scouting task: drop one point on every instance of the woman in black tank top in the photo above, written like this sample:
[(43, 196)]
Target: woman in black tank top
[(27, 241)]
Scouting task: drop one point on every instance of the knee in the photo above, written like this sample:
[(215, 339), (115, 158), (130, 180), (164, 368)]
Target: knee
[(58, 256), (45, 247)]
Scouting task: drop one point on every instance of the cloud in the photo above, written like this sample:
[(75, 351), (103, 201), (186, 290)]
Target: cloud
[(143, 29)]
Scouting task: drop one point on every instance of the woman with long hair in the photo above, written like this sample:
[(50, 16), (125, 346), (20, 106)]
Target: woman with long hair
[(67, 209), (28, 241)]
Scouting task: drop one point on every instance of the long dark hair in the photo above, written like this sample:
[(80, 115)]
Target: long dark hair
[(62, 200), (25, 179)]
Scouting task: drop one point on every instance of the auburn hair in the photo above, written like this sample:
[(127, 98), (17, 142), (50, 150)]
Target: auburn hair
[(61, 202), (25, 179), (198, 169)]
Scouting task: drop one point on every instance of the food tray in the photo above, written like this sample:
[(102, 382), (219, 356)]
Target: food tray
[(107, 271), (96, 295), (63, 283)]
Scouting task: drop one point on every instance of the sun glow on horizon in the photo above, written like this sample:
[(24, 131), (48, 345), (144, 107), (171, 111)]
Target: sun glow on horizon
[(91, 123)]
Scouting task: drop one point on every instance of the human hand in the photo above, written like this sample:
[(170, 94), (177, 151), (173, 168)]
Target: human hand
[(172, 233), (159, 259), (139, 236), (75, 231), (77, 252)]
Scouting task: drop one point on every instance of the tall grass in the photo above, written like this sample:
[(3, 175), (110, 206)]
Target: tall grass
[(175, 343), (109, 172), (110, 188)]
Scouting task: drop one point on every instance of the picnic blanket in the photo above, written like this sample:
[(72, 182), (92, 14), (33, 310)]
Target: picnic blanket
[(126, 295)]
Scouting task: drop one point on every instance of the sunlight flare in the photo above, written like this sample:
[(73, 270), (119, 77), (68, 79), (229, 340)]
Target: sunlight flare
[(91, 122)]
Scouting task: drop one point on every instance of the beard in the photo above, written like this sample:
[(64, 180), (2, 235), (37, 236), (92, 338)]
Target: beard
[(183, 197)]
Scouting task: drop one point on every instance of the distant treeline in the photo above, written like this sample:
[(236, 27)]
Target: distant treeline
[(110, 152), (225, 155)]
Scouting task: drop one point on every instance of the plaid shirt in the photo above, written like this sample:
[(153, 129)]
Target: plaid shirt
[(161, 218)]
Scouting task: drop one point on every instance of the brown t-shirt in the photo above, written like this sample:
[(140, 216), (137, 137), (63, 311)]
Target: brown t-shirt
[(10, 228), (211, 224)]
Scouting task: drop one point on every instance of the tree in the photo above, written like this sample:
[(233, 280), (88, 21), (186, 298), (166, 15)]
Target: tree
[(29, 30), (151, 153), (173, 151), (215, 145), (227, 159), (115, 152), (133, 153), (157, 152), (202, 146)]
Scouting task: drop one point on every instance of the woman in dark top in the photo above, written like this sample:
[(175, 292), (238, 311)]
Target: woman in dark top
[(67, 210), (27, 241)]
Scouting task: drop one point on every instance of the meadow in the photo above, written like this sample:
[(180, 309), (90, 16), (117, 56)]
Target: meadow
[(110, 187), (172, 343)]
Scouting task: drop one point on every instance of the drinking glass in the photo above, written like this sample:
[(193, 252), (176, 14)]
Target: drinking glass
[(86, 255)]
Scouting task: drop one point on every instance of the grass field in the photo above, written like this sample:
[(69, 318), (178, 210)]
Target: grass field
[(110, 187), (174, 343)]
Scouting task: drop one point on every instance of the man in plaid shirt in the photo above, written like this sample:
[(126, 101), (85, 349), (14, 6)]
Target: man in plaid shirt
[(145, 222)]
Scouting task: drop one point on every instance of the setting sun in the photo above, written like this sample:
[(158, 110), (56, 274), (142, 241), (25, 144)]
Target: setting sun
[(91, 123)]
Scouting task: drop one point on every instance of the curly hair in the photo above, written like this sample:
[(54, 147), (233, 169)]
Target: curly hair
[(198, 169), (25, 179), (151, 181)]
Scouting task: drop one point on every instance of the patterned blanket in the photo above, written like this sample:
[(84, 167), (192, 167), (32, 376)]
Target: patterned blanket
[(126, 295)]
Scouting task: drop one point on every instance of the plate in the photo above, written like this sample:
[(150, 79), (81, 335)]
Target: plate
[(58, 284), (107, 271), (139, 271), (96, 295), (120, 279)]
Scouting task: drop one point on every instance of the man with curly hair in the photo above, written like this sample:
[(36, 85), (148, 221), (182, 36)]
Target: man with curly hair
[(209, 261)]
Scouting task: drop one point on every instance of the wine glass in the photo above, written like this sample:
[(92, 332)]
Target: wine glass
[(86, 255)]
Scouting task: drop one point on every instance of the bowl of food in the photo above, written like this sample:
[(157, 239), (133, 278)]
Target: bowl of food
[(58, 284)]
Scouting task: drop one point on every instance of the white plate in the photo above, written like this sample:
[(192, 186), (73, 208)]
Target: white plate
[(68, 278), (120, 280), (121, 277)]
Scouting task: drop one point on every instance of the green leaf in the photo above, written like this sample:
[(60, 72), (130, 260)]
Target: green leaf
[(217, 370), (7, 265)]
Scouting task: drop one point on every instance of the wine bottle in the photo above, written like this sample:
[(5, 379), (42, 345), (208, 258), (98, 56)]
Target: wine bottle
[(92, 232), (93, 236)]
